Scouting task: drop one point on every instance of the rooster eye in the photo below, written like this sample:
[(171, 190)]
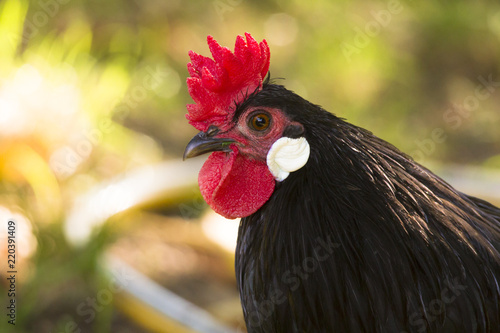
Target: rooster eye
[(260, 121)]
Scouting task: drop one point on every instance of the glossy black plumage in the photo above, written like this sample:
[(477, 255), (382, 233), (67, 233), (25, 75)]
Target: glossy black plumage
[(364, 239)]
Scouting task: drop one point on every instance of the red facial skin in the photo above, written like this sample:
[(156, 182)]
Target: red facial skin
[(256, 144), (238, 183)]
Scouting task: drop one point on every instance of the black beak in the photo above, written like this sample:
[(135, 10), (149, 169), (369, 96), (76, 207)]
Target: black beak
[(204, 143)]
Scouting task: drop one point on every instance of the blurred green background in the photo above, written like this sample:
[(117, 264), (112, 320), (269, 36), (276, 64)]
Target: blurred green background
[(94, 89)]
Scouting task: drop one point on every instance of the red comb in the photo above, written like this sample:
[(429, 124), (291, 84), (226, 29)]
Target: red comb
[(217, 84)]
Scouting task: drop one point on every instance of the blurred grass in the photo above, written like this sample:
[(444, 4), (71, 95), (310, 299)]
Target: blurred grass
[(89, 90)]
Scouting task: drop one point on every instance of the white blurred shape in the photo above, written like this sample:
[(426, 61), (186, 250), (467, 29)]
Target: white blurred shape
[(221, 230), (25, 240), (134, 188), (27, 80), (12, 119), (31, 103), (66, 99)]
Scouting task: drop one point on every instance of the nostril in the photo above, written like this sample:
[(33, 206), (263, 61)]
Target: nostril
[(212, 130)]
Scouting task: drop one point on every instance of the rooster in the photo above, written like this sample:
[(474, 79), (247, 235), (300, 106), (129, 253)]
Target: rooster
[(340, 231)]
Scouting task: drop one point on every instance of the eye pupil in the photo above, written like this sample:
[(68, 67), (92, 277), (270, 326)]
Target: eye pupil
[(260, 122)]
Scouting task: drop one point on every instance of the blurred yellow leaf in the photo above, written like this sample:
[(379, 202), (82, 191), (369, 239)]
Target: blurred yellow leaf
[(78, 40), (108, 90), (12, 14), (21, 160)]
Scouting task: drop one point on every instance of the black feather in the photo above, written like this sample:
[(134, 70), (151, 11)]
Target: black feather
[(364, 239)]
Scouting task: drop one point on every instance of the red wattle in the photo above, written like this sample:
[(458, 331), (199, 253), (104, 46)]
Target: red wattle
[(233, 185)]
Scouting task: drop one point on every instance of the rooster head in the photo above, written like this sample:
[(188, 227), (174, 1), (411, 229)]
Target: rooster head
[(252, 145)]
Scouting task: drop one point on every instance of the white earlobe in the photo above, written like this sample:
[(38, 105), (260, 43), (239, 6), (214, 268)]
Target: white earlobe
[(287, 155)]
